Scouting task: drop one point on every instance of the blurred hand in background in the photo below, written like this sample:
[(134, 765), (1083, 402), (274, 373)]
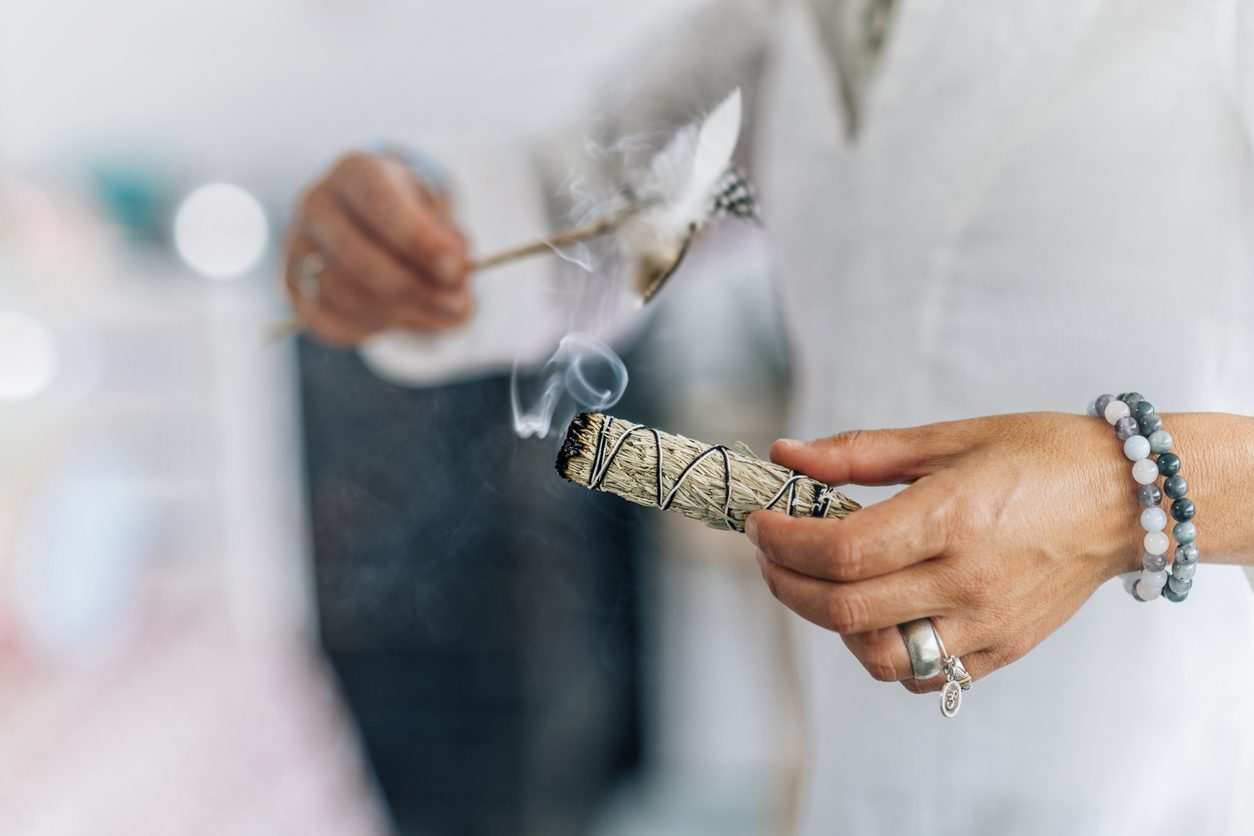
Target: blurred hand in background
[(372, 247)]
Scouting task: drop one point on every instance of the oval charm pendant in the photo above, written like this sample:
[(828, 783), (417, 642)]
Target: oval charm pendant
[(950, 698)]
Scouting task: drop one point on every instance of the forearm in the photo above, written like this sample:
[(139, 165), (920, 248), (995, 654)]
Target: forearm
[(1217, 450)]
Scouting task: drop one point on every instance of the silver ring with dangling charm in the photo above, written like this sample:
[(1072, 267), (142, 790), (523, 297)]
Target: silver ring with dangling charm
[(957, 680), (923, 645)]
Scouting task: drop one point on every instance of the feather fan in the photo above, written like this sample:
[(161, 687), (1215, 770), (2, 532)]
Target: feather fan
[(679, 192)]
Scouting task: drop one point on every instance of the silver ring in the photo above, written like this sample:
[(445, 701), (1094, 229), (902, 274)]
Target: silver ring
[(923, 646), (309, 276)]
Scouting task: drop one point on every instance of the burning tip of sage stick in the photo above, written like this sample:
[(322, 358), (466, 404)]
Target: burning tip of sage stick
[(712, 483)]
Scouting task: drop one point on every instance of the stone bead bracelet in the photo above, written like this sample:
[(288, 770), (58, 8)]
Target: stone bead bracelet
[(1141, 430)]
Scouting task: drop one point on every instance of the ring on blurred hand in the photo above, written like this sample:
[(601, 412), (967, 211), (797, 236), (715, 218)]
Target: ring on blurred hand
[(923, 646), (309, 276)]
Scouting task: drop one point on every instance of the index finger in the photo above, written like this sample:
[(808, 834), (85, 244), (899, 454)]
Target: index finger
[(382, 198), (904, 529), (873, 457)]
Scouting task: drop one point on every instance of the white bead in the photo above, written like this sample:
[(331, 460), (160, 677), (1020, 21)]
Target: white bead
[(1136, 447), (1156, 542), (1145, 472), (1154, 519), (1116, 410), (1148, 593), (1154, 580)]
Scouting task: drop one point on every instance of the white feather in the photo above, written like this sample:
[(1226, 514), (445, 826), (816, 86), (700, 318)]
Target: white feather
[(675, 193)]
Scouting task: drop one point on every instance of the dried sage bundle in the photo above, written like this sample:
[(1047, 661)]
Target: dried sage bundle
[(712, 483)]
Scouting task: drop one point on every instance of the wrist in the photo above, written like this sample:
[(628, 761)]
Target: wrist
[(1115, 541), (1220, 450)]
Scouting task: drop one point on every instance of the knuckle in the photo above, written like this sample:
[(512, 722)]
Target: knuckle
[(962, 519), (850, 438), (359, 177), (414, 236), (978, 581), (879, 663), (350, 165), (915, 686), (844, 555), (846, 611)]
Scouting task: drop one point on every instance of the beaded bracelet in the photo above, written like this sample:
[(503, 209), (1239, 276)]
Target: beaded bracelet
[(1141, 430)]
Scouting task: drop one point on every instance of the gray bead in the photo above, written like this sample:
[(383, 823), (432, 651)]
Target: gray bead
[(1179, 585), (1151, 423), (1149, 495), (1160, 441), (1141, 408), (1129, 579), (1183, 510), (1176, 487), (1154, 562), (1168, 464), (1186, 553), (1127, 427), (1131, 398), (1173, 596), (1185, 533), (1183, 571), (1101, 402)]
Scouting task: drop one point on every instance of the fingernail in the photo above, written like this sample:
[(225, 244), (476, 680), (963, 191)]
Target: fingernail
[(790, 442), (751, 529), (447, 269)]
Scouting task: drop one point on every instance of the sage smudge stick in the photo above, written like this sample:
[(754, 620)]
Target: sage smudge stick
[(715, 484)]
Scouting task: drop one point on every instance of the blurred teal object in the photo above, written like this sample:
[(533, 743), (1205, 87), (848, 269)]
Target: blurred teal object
[(136, 194)]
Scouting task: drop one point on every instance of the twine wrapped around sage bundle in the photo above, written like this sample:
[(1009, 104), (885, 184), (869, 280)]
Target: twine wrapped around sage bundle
[(711, 483)]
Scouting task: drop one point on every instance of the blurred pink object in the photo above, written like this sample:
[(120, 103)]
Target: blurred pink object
[(188, 733)]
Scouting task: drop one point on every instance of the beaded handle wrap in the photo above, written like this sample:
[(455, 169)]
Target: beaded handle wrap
[(1140, 428)]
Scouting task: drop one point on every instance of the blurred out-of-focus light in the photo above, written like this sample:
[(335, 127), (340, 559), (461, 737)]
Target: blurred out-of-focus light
[(28, 356), (220, 231)]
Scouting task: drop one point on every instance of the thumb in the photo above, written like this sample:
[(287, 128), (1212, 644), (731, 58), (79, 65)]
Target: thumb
[(870, 457)]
